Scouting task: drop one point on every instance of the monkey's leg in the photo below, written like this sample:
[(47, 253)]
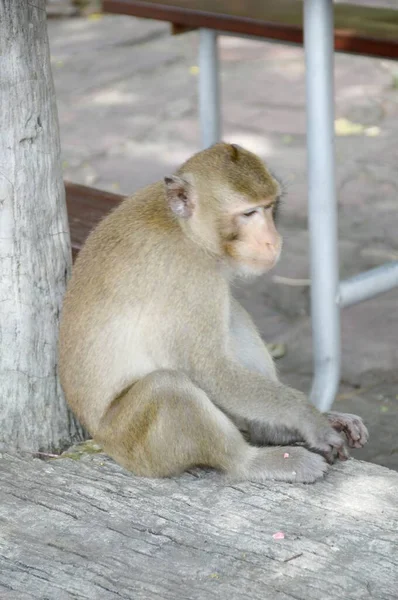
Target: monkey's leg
[(164, 425)]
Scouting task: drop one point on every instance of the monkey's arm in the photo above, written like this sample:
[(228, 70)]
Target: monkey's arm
[(268, 404), (251, 352), (246, 344)]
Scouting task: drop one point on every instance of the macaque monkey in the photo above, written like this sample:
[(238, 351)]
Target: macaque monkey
[(157, 360)]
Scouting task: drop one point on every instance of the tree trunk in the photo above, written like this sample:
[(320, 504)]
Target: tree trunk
[(93, 531), (35, 256)]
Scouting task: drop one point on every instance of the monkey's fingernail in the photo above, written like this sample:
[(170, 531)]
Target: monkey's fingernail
[(343, 454), (286, 455)]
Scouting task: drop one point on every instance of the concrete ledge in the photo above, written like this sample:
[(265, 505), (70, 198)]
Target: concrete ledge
[(87, 529)]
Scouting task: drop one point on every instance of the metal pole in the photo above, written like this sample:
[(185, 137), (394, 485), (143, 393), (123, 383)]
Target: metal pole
[(318, 43), (209, 95), (368, 284)]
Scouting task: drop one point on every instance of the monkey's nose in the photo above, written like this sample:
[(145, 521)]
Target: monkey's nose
[(273, 251), (272, 240), (272, 248)]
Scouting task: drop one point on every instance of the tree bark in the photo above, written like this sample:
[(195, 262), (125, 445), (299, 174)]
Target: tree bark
[(35, 256), (89, 530)]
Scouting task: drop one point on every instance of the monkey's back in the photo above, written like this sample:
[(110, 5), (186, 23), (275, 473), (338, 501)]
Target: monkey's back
[(121, 316)]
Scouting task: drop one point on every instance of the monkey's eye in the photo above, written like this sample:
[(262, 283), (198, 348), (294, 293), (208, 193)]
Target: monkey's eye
[(250, 213)]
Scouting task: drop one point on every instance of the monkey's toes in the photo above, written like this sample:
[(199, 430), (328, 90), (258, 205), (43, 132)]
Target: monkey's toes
[(306, 466), (293, 464)]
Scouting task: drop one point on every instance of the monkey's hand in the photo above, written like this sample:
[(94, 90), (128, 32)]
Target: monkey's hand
[(352, 426), (323, 438)]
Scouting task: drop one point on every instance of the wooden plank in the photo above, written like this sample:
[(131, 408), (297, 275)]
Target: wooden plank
[(358, 29), (86, 207), (177, 29), (88, 529)]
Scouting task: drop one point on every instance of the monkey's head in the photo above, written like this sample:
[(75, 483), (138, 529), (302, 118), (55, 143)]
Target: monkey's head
[(226, 200)]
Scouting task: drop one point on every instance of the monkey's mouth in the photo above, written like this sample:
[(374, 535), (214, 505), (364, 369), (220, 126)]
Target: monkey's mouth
[(254, 267), (264, 263)]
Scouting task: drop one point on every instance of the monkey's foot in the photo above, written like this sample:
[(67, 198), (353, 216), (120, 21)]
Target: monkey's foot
[(293, 464), (352, 426)]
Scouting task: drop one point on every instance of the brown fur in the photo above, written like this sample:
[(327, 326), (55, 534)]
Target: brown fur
[(157, 359)]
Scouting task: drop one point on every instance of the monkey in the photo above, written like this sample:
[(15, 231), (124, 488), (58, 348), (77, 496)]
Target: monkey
[(162, 366)]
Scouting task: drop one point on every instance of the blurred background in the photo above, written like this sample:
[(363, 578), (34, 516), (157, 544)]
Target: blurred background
[(127, 103)]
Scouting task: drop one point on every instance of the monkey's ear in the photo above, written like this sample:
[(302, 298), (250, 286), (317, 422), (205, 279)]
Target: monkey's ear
[(234, 152), (179, 196)]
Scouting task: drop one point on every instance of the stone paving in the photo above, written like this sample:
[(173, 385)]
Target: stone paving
[(127, 100)]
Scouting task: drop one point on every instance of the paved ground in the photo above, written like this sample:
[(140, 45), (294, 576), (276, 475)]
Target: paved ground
[(128, 113)]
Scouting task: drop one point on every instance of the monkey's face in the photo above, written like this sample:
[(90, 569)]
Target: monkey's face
[(253, 244), (226, 200)]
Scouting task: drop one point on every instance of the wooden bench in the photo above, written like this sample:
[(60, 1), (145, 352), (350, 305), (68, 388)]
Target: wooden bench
[(86, 207), (323, 26), (358, 29)]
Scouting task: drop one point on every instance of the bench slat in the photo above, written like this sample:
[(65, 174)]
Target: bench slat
[(358, 29), (86, 207)]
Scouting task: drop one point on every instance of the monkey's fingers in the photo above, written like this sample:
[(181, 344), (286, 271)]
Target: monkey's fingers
[(334, 453), (352, 426), (337, 453), (343, 453), (330, 456), (331, 445)]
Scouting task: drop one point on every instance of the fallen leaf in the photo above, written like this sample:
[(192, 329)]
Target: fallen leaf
[(372, 131), (346, 127), (287, 139), (279, 535), (194, 70), (286, 455)]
